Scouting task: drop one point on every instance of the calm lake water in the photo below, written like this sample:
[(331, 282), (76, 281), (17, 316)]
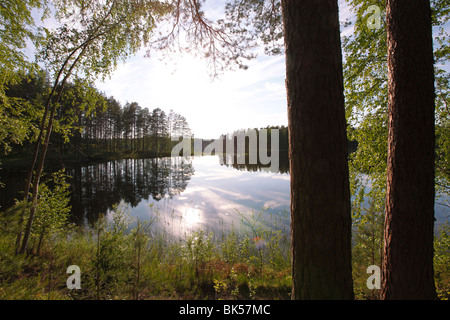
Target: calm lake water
[(185, 194), (198, 193)]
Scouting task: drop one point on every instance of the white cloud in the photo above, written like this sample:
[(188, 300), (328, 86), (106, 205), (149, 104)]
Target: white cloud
[(237, 99)]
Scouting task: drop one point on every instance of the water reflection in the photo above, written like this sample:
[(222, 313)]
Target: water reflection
[(210, 192), (96, 188), (232, 161), (217, 198), (185, 193)]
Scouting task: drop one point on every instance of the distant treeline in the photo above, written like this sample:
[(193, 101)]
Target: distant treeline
[(241, 141), (90, 125), (246, 135)]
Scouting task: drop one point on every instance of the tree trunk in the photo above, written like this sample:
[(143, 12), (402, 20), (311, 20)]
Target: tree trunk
[(37, 177), (408, 248), (320, 195)]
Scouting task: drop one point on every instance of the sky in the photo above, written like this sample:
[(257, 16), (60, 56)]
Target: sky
[(239, 99)]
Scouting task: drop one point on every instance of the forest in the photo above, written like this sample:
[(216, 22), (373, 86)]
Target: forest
[(370, 108), (91, 127)]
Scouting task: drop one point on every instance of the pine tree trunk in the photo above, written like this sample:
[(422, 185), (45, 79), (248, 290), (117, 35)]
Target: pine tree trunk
[(408, 248), (320, 196)]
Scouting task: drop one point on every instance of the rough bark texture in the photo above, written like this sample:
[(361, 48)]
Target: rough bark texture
[(408, 248), (320, 196)]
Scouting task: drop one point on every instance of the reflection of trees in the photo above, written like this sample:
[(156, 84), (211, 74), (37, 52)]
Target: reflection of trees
[(180, 174), (97, 187), (231, 160)]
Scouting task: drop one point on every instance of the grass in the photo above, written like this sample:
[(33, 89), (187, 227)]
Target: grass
[(137, 263), (119, 263)]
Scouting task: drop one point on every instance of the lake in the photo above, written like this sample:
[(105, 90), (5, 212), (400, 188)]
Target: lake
[(185, 193), (209, 193), (189, 194)]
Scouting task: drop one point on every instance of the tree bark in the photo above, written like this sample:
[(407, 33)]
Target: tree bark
[(408, 248), (320, 195)]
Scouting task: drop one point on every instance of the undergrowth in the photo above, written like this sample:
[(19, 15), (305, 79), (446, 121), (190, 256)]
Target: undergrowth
[(118, 261), (121, 258)]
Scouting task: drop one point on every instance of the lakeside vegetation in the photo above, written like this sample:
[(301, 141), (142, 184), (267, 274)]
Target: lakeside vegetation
[(90, 126), (122, 258), (136, 264), (58, 116)]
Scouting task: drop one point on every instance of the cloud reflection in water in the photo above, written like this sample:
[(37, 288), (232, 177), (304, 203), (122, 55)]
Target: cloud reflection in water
[(215, 194)]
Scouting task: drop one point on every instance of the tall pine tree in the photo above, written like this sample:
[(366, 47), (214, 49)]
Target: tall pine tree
[(320, 194), (408, 248)]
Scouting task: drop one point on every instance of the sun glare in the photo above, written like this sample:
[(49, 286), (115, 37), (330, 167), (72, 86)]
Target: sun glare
[(232, 101), (191, 216), (187, 88)]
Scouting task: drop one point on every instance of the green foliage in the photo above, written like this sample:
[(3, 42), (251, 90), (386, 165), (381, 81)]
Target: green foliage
[(16, 31), (365, 77), (15, 126), (198, 250), (112, 263), (122, 260), (442, 262), (230, 247), (441, 17), (367, 248), (79, 97), (95, 126), (19, 126), (20, 115), (117, 262), (365, 88), (91, 38), (94, 36), (442, 132), (140, 237), (366, 92), (16, 28), (266, 245), (53, 209)]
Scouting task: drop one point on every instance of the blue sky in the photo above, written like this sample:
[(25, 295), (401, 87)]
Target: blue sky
[(250, 98), (237, 99)]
